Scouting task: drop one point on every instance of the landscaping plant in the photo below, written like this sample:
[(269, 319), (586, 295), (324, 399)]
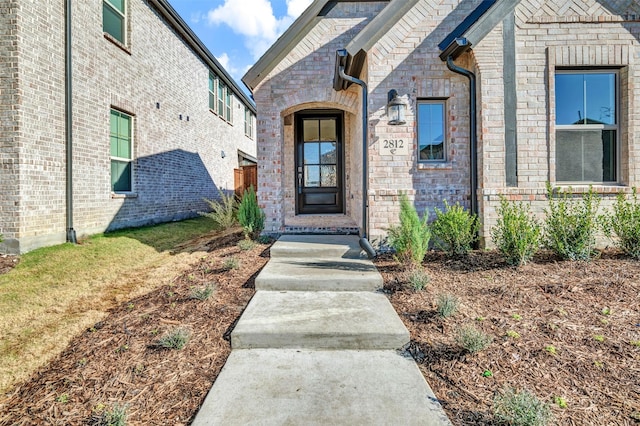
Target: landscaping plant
[(622, 224), (520, 409), (570, 226), (517, 234), (411, 238), (447, 305), (455, 229), (472, 340), (250, 216), (418, 278), (223, 212), (175, 339)]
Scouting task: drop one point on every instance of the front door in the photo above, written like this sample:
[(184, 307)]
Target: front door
[(319, 160)]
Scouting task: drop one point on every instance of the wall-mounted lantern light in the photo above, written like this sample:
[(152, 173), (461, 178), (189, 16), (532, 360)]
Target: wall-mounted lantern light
[(395, 108)]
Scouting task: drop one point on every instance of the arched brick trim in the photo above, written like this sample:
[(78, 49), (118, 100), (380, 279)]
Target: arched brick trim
[(344, 100)]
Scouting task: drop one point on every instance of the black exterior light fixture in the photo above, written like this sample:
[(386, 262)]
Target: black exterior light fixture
[(396, 108)]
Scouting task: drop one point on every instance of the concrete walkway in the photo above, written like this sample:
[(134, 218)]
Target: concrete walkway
[(318, 346)]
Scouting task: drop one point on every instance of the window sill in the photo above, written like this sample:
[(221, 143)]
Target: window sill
[(435, 166), (120, 45), (123, 195)]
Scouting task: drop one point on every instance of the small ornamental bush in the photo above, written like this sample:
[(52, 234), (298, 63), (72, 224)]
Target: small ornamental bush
[(116, 416), (202, 293), (472, 340), (175, 339), (622, 224), (520, 409), (223, 212), (447, 305), (250, 216), (419, 279), (570, 226), (454, 229), (517, 234), (411, 238)]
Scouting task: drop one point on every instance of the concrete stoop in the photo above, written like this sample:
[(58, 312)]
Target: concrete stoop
[(317, 346), (310, 387), (319, 320)]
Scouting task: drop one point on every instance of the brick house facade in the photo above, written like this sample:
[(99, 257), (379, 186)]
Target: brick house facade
[(156, 123), (557, 91)]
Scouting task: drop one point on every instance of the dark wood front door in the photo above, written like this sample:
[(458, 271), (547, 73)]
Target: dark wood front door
[(319, 162)]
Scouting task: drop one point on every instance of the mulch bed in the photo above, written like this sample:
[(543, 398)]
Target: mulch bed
[(117, 362), (7, 263), (589, 312)]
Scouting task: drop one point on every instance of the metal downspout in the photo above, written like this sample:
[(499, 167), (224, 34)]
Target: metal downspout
[(364, 243), (473, 135), (71, 233)]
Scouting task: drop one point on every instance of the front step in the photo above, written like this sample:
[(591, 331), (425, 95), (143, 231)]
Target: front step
[(305, 274), (314, 246), (303, 387), (319, 320)]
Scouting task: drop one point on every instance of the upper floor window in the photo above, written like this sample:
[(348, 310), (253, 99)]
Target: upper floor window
[(219, 98), (586, 126), (249, 119), (114, 19), (121, 151), (431, 131)]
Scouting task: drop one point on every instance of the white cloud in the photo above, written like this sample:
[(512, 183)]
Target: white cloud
[(255, 20)]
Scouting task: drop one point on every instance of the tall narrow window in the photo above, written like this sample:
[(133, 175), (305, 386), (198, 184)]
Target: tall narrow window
[(121, 151), (248, 122), (114, 19), (431, 131), (227, 104), (586, 126), (213, 82), (221, 91)]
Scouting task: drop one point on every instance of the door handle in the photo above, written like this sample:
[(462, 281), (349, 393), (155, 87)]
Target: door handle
[(300, 183)]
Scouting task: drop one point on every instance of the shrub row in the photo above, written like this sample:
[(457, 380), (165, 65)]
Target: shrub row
[(228, 211)]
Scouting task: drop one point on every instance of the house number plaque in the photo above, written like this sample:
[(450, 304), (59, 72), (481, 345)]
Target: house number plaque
[(394, 147)]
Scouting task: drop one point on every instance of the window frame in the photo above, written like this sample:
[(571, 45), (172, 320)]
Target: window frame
[(432, 101), (578, 127), (131, 150), (249, 127), (122, 14)]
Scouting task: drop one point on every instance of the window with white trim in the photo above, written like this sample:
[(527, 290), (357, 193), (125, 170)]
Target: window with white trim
[(587, 127), (249, 119), (220, 98), (431, 131), (114, 19), (121, 151)]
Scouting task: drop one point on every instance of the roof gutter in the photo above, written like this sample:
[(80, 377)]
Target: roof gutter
[(341, 57), (456, 48), (68, 89)]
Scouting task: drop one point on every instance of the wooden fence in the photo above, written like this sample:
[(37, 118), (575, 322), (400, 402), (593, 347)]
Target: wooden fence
[(244, 177)]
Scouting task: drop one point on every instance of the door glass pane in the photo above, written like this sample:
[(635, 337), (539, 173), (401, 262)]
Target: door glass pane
[(311, 130), (328, 153), (329, 176), (600, 96), (570, 99), (311, 153), (112, 23), (585, 155), (312, 176), (328, 130)]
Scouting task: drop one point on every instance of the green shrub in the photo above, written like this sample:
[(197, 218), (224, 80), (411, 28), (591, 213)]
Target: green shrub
[(447, 305), (622, 224), (520, 409), (418, 278), (230, 263), (223, 212), (570, 226), (517, 234), (472, 340), (250, 216), (411, 238), (116, 416), (175, 339), (202, 293), (246, 244), (455, 229)]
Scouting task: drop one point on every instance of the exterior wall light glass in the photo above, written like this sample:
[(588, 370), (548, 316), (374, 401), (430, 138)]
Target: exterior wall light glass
[(396, 109)]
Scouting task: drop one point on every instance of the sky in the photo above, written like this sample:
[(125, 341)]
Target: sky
[(238, 32)]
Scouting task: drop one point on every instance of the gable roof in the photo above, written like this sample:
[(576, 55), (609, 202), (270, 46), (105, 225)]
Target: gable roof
[(174, 20), (296, 32), (475, 27)]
